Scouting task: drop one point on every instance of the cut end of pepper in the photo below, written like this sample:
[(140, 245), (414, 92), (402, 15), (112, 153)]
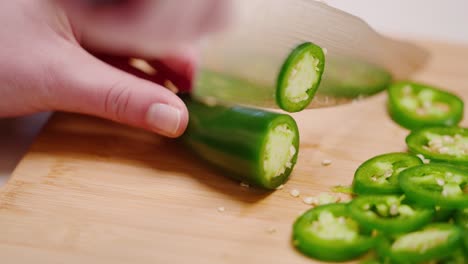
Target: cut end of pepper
[(440, 144), (328, 233), (300, 77), (415, 105), (280, 152), (379, 175)]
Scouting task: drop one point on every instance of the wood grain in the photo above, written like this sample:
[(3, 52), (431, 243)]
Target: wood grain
[(91, 191)]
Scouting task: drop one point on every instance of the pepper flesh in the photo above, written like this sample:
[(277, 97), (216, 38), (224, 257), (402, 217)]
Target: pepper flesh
[(252, 145), (415, 105)]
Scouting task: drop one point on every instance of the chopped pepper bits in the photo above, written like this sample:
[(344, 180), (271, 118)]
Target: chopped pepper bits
[(295, 193)]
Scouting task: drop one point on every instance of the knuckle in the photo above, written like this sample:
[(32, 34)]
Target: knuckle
[(117, 100)]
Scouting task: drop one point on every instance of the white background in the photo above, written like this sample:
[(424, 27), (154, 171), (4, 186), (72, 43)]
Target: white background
[(430, 19), (444, 20)]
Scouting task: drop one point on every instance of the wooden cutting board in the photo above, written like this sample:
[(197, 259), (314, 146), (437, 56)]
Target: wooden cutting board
[(91, 191)]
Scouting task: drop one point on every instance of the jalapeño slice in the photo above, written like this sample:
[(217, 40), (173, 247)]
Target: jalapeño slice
[(436, 185), (328, 233), (379, 175), (432, 243), (300, 77), (415, 105), (441, 144), (390, 214)]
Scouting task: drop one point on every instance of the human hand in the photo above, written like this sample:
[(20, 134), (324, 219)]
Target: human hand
[(46, 61)]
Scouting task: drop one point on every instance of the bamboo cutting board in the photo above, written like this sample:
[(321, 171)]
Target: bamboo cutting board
[(91, 191)]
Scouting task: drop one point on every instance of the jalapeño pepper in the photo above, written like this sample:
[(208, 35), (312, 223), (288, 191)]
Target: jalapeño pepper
[(379, 175), (436, 185), (252, 145), (441, 144), (389, 214), (415, 105), (432, 243), (300, 77), (328, 233)]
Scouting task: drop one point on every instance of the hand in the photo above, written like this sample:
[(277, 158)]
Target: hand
[(46, 61)]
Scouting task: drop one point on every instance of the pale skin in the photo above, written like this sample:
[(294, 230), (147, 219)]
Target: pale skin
[(48, 57)]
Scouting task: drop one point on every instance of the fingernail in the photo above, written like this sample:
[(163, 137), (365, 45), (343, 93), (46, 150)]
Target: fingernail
[(163, 118)]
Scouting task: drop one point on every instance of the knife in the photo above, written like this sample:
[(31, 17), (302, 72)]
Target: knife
[(241, 64)]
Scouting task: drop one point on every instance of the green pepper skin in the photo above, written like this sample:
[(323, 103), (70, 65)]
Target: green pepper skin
[(443, 215), (458, 257), (234, 139), (363, 184), (461, 219), (334, 250), (412, 119), (388, 224), (420, 184), (438, 252), (418, 139), (372, 261), (287, 71), (465, 242)]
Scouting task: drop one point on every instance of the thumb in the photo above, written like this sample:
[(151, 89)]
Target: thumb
[(90, 86)]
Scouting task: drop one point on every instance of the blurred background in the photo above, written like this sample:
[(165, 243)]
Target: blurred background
[(432, 20), (444, 20)]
